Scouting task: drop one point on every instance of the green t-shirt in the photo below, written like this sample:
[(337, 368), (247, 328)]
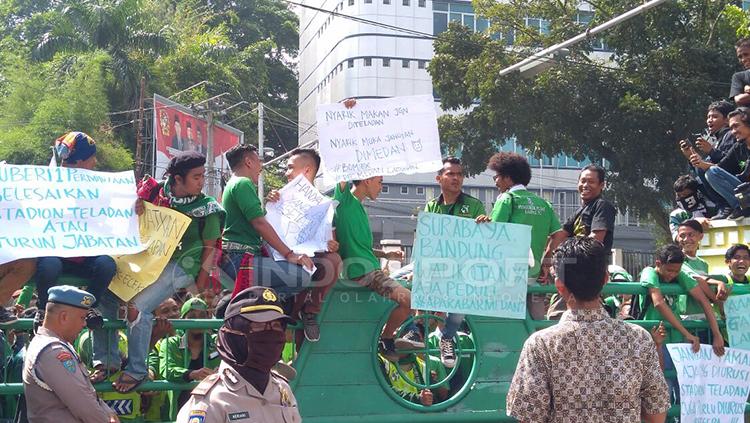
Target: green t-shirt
[(465, 206), (242, 205), (353, 234), (524, 207), (188, 254), (694, 266), (651, 279)]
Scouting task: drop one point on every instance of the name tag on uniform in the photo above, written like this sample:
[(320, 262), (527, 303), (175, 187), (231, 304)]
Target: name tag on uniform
[(239, 416)]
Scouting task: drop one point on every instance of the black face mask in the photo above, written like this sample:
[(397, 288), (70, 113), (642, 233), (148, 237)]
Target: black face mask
[(258, 350), (691, 203)]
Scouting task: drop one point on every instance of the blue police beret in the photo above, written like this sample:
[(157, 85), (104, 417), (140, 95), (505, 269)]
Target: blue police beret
[(72, 296)]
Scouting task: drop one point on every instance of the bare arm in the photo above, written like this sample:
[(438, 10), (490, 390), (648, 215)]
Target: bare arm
[(266, 231), (661, 305), (742, 99), (207, 260), (599, 234), (718, 340)]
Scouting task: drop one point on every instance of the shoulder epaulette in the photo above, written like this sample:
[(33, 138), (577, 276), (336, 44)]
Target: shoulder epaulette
[(206, 385)]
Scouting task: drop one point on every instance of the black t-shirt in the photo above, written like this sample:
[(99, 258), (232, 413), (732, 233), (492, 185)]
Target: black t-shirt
[(597, 214), (736, 159), (739, 80)]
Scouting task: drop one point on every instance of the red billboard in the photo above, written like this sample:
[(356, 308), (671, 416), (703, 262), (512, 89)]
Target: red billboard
[(177, 128)]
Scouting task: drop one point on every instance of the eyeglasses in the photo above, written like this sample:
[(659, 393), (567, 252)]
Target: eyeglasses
[(276, 325)]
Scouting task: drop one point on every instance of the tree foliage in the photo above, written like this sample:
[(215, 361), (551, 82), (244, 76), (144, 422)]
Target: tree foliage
[(77, 65), (666, 66)]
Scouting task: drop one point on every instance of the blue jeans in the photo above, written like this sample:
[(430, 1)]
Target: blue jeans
[(146, 301), (105, 341), (723, 183), (99, 270), (709, 192), (452, 322), (285, 278)]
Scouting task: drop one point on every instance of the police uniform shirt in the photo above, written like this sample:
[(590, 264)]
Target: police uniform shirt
[(227, 397), (56, 384)]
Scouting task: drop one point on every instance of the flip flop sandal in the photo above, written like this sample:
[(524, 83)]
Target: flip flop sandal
[(132, 383)]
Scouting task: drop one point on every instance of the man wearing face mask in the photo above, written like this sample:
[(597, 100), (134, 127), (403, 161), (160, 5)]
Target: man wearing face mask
[(690, 204), (244, 388)]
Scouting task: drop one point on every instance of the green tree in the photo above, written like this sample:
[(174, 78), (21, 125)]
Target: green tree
[(667, 66)]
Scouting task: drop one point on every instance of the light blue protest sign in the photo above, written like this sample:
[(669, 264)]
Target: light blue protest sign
[(737, 309), (712, 388), (471, 268)]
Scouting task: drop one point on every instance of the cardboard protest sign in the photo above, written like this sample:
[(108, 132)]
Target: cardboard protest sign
[(461, 266), (379, 137), (161, 231), (737, 309), (303, 217), (712, 388), (66, 212)]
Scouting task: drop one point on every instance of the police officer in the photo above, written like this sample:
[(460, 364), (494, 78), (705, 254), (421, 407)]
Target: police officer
[(55, 381), (245, 389)]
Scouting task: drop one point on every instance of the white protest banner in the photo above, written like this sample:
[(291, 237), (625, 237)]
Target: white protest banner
[(379, 137), (461, 266), (65, 212), (303, 217), (712, 388), (737, 309)]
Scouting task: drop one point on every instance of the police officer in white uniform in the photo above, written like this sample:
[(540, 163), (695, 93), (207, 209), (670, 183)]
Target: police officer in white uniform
[(55, 381), (245, 389)]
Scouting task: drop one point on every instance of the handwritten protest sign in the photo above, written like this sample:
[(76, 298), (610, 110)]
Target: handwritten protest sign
[(737, 309), (712, 388), (303, 217), (65, 212), (161, 230), (379, 137), (470, 268)]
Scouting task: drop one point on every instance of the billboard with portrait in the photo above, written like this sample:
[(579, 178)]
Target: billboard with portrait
[(177, 128)]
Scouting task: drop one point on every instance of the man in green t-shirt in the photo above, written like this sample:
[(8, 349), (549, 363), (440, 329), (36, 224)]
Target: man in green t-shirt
[(247, 228), (452, 201), (362, 264), (518, 205), (737, 258)]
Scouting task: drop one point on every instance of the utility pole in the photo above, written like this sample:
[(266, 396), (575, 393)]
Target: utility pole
[(260, 151), (139, 134), (212, 191)]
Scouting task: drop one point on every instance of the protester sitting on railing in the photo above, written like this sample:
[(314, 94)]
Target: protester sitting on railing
[(656, 306), (733, 169), (247, 228), (190, 263), (689, 237), (690, 204), (190, 356), (13, 275), (712, 146), (307, 303)]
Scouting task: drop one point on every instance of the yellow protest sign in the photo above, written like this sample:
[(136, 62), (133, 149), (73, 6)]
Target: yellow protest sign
[(161, 230)]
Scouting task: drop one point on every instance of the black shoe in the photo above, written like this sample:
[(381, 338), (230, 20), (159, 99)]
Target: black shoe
[(736, 214), (722, 214), (94, 319), (387, 349), (311, 327), (38, 320), (411, 340), (6, 317), (448, 352)]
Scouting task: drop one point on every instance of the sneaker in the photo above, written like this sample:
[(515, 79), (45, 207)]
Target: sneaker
[(38, 319), (311, 327), (6, 317), (448, 352), (411, 340), (722, 214), (387, 349), (94, 319), (736, 214)]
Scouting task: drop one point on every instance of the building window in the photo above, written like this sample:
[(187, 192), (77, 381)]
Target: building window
[(405, 64), (368, 61), (386, 63), (350, 63), (422, 3), (405, 2), (404, 190), (386, 1), (422, 64), (351, 2), (384, 189), (420, 190), (368, 1)]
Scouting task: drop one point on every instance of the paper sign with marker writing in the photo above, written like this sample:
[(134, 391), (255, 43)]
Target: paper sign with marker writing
[(737, 309), (161, 231), (379, 137), (66, 212), (712, 388), (303, 217), (461, 266)]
